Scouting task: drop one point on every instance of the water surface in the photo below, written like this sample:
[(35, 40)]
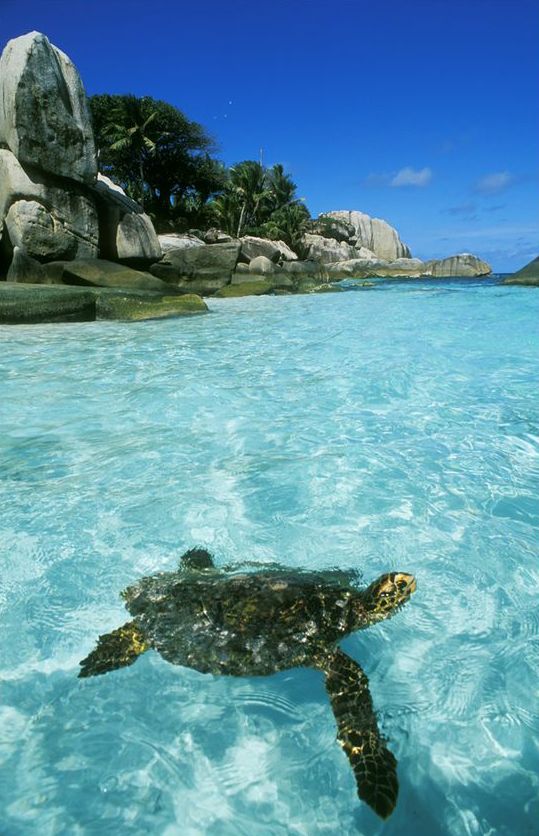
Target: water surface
[(392, 428)]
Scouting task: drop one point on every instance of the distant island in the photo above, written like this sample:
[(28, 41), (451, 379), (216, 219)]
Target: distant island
[(115, 207)]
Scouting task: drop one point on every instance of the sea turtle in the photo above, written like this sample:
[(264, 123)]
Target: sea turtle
[(258, 622)]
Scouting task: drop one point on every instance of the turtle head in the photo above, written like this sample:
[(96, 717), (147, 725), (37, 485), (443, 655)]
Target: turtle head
[(385, 596)]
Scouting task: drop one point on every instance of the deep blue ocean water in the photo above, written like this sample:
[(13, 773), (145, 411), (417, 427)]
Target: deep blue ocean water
[(392, 428)]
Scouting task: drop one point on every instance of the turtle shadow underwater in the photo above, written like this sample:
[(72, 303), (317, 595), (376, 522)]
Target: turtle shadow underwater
[(256, 623)]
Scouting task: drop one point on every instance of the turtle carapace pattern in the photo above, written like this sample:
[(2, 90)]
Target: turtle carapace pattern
[(255, 623)]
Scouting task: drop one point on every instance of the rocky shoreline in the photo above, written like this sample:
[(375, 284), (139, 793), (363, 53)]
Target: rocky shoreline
[(73, 245)]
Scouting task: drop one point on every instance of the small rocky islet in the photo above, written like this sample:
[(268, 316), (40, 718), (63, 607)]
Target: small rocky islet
[(75, 247)]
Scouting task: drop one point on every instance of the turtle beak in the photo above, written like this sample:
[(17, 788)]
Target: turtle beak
[(410, 584)]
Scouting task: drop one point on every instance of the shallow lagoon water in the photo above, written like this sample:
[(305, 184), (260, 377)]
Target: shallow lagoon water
[(393, 428)]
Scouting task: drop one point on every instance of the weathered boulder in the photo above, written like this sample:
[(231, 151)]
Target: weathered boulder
[(252, 247), (210, 265), (25, 269), (374, 234), (528, 275), (326, 250), (240, 269), (126, 232), (333, 228), (44, 117), (464, 264), (216, 236), (178, 241), (261, 266), (302, 268), (97, 272), (43, 218)]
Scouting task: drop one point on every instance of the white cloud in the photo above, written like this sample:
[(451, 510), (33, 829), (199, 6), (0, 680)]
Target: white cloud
[(410, 177), (495, 182)]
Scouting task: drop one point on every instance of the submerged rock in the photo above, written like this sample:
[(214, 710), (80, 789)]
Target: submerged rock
[(44, 116), (252, 288), (27, 304), (133, 309)]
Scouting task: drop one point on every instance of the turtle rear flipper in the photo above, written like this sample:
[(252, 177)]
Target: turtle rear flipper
[(115, 650), (374, 766)]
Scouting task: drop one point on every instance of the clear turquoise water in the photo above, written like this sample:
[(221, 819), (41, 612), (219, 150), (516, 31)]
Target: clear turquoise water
[(383, 429)]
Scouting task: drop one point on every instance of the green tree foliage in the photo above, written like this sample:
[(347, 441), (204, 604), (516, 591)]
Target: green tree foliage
[(289, 224), (162, 159), (260, 200)]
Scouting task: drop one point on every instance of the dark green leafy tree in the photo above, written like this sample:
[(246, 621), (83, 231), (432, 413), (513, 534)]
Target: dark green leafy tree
[(289, 224), (162, 158)]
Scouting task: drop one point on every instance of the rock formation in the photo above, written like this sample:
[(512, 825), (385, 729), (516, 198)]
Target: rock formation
[(44, 117), (528, 275), (53, 204), (374, 234), (464, 264)]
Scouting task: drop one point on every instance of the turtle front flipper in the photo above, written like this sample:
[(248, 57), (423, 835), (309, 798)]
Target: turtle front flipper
[(114, 650), (374, 766)]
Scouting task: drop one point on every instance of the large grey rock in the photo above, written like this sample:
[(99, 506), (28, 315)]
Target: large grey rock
[(528, 275), (216, 236), (302, 268), (374, 234), (100, 273), (177, 241), (326, 250), (464, 264), (362, 268), (252, 247), (25, 269), (333, 228), (212, 263), (127, 233), (261, 266), (43, 218), (44, 117)]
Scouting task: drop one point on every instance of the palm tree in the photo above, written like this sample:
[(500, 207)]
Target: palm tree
[(282, 187), (248, 181), (128, 132)]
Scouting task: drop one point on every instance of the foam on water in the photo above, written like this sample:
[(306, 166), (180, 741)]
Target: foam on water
[(396, 428)]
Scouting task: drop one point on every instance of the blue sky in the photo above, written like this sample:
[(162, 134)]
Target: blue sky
[(424, 112)]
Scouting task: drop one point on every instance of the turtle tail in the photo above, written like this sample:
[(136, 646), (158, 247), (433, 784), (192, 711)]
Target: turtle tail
[(114, 650)]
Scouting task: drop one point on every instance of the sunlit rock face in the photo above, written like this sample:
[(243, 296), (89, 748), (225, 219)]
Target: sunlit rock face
[(42, 217), (53, 203), (464, 264), (126, 232), (374, 234), (44, 116)]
